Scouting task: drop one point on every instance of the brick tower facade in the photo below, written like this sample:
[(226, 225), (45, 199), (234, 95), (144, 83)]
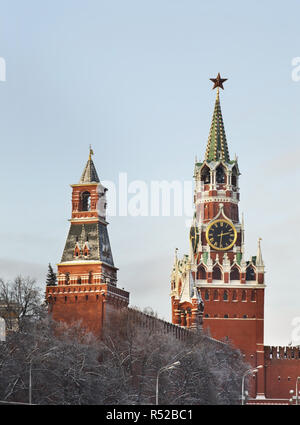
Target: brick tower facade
[(87, 277), (231, 287)]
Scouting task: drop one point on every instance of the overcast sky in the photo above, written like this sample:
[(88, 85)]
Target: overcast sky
[(131, 78)]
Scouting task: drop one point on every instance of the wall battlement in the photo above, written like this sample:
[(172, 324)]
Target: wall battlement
[(151, 322), (282, 353)]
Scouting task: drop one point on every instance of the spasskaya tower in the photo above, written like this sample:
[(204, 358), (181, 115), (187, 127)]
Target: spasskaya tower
[(231, 287)]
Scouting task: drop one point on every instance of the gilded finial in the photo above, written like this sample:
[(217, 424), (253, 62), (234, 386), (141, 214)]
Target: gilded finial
[(91, 153)]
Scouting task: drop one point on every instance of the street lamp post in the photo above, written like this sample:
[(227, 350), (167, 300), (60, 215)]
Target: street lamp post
[(255, 370), (30, 382), (43, 357), (163, 369)]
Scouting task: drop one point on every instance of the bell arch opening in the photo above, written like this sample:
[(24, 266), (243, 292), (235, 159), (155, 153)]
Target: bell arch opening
[(250, 273), (205, 175), (234, 177), (220, 174), (86, 201)]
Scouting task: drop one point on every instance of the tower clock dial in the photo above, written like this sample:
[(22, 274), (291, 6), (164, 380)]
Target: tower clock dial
[(221, 235)]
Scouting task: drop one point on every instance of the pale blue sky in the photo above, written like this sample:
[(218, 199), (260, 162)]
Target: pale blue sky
[(132, 79)]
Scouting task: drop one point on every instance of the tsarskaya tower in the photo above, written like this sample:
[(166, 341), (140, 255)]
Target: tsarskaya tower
[(87, 276)]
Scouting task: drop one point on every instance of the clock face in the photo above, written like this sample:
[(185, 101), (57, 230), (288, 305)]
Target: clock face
[(221, 235)]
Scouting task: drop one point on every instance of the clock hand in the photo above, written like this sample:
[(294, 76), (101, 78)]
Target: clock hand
[(221, 239)]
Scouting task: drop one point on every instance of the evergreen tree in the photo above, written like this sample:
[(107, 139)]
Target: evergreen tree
[(51, 276)]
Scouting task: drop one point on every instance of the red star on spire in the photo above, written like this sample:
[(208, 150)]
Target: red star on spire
[(218, 82)]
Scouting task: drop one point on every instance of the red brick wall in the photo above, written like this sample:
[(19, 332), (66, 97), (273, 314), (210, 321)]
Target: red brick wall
[(89, 310), (282, 369)]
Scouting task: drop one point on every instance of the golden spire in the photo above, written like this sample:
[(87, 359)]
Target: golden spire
[(91, 153)]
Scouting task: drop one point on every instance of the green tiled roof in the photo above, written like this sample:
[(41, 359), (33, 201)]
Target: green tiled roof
[(217, 148)]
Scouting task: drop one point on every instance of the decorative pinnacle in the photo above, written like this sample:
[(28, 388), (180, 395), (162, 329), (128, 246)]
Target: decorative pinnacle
[(91, 153), (259, 260), (218, 82), (89, 174)]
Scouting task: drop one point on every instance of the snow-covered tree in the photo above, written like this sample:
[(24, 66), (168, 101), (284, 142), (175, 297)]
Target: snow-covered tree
[(51, 276)]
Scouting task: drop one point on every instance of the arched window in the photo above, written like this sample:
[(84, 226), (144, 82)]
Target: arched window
[(220, 174), (216, 275), (250, 273), (206, 295), (205, 175), (90, 277), (234, 177), (85, 201), (225, 316), (201, 273), (206, 315), (234, 273), (216, 295), (244, 295), (253, 295), (225, 296), (79, 281), (234, 295), (67, 278)]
